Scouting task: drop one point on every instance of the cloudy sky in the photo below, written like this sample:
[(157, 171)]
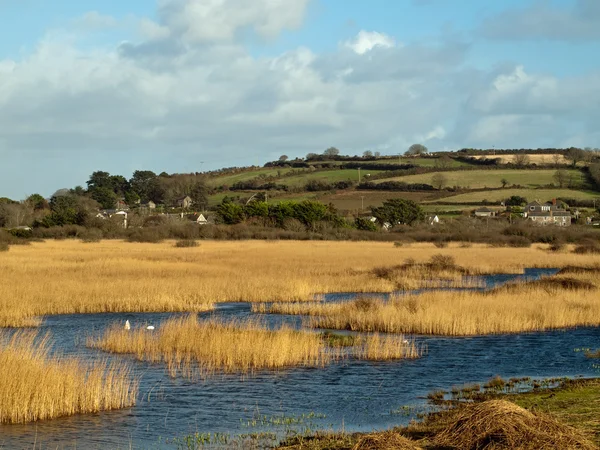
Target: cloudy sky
[(190, 85)]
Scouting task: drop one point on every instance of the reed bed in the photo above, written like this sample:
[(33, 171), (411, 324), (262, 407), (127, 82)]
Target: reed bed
[(37, 386), (65, 277), (558, 303), (189, 346)]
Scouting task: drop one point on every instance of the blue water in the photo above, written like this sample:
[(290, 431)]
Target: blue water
[(351, 394)]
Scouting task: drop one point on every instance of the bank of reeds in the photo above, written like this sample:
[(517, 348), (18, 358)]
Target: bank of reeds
[(190, 347), (37, 386), (514, 309), (66, 277)]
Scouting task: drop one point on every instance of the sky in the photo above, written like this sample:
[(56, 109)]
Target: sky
[(192, 85)]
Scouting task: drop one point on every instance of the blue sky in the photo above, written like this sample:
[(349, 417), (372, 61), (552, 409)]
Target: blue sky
[(180, 85)]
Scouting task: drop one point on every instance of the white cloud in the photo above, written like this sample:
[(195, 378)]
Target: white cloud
[(221, 20), (152, 31), (366, 41)]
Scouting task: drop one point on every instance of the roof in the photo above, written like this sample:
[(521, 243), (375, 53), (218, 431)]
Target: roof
[(484, 209)]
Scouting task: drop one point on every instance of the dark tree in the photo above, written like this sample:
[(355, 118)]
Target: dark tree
[(331, 151), (37, 202), (147, 185), (417, 149), (398, 211), (199, 194), (283, 158), (105, 197)]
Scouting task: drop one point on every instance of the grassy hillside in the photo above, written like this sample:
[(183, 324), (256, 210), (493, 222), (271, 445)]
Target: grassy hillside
[(531, 183), (477, 179), (529, 194)]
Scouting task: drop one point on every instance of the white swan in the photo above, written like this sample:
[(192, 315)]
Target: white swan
[(150, 327), (127, 325)]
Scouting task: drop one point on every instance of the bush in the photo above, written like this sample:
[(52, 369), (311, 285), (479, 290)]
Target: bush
[(91, 235), (519, 241), (150, 235), (557, 246), (3, 246), (442, 262), (362, 223), (588, 247), (186, 243)]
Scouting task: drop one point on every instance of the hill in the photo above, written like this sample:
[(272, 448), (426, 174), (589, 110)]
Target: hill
[(353, 184)]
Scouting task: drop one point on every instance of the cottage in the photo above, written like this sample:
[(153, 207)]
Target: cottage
[(149, 205), (185, 202), (484, 212), (550, 213)]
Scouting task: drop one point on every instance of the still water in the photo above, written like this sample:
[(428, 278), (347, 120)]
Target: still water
[(350, 394)]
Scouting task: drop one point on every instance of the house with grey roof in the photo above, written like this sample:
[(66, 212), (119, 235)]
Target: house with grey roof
[(550, 213)]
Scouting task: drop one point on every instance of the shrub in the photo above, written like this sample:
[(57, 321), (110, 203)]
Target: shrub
[(3, 246), (440, 244), (587, 247), (519, 242), (186, 243), (442, 262), (91, 235), (150, 235)]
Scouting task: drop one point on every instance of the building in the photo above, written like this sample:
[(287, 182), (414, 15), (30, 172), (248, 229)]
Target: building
[(550, 213), (185, 202), (484, 212), (149, 205)]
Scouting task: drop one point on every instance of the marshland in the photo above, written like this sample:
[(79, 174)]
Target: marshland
[(346, 333)]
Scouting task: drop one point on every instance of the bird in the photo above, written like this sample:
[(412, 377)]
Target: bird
[(150, 327), (127, 325)]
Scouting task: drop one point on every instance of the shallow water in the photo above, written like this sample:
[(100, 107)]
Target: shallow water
[(355, 395)]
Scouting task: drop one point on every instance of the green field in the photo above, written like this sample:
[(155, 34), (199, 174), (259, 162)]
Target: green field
[(228, 180), (330, 176), (530, 194), (477, 179)]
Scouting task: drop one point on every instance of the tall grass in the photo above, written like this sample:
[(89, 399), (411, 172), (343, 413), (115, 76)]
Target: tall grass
[(188, 346), (65, 277), (448, 313), (37, 386), (381, 348)]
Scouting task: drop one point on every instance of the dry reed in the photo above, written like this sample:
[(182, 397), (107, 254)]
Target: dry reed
[(498, 424), (188, 346), (378, 347), (64, 277), (37, 386), (520, 308), (387, 440)]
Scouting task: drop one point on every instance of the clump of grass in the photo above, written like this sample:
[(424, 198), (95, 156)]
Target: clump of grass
[(189, 346), (186, 243), (378, 347), (497, 383), (387, 440), (592, 354), (3, 246), (339, 340), (502, 424), (37, 386), (436, 396)]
